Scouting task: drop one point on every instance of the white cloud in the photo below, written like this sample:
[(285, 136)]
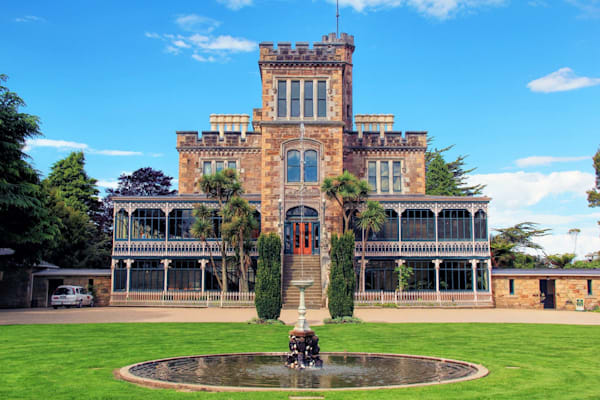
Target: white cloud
[(107, 184), (440, 9), (181, 43), (58, 144), (513, 189), (197, 23), (200, 58), (562, 80), (116, 152), (30, 18), (235, 4), (65, 145), (535, 161), (204, 47), (589, 8)]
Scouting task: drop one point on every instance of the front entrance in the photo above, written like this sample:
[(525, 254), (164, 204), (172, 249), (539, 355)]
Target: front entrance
[(302, 231), (547, 292)]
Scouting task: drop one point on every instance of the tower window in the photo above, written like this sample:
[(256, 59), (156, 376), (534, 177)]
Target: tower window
[(295, 103), (308, 98), (281, 99), (302, 167), (385, 176), (321, 99)]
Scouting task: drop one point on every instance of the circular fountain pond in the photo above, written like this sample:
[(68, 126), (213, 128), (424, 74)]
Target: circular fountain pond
[(267, 371)]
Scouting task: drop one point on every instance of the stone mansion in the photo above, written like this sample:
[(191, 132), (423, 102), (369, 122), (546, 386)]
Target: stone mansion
[(304, 131)]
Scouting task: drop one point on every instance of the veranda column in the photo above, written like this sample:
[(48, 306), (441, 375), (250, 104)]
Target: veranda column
[(165, 263), (489, 266), (399, 264), (128, 263), (474, 266), (437, 263), (203, 262), (113, 264)]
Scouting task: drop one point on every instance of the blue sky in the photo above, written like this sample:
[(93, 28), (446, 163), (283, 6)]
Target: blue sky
[(513, 84)]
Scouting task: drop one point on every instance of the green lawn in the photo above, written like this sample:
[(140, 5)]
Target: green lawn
[(77, 361)]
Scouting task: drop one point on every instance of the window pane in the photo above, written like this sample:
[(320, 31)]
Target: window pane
[(231, 164), (385, 176), (207, 169), (293, 166), (308, 99), (321, 97), (397, 176), (373, 175), (281, 99), (295, 105), (220, 166), (310, 166)]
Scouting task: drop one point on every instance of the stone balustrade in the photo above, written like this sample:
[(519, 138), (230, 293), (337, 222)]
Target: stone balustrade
[(230, 123), (374, 122)]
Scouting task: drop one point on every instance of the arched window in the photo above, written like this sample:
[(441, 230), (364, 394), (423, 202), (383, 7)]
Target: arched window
[(418, 225), (121, 225), (293, 166), (301, 211), (148, 224), (480, 225), (454, 225), (310, 166)]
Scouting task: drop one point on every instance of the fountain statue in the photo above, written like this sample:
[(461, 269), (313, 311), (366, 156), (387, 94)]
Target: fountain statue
[(304, 344)]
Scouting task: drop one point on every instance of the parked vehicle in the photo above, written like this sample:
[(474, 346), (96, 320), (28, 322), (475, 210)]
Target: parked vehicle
[(68, 295)]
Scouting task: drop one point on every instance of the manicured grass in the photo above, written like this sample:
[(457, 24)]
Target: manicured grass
[(77, 361)]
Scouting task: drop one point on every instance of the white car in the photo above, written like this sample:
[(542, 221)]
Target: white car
[(68, 295)]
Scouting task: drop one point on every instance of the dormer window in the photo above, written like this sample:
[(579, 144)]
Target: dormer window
[(295, 98)]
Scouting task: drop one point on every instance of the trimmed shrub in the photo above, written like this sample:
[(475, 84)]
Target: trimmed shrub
[(342, 278), (268, 277)]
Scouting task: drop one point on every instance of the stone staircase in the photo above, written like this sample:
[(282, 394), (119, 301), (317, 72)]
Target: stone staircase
[(292, 270)]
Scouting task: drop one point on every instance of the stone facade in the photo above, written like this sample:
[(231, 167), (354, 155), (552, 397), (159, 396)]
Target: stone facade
[(527, 291)]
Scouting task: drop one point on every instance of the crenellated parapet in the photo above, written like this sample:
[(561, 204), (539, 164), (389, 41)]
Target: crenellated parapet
[(230, 123), (330, 49)]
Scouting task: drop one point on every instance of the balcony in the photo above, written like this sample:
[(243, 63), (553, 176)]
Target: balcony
[(423, 249), (165, 249)]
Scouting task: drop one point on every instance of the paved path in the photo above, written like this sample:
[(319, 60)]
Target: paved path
[(315, 317)]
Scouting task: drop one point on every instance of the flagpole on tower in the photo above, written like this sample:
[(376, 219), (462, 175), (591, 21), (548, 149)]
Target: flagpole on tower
[(337, 18)]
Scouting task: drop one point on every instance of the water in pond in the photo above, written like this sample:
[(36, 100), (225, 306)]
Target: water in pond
[(269, 371)]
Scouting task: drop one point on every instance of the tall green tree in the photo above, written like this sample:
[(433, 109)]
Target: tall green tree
[(439, 180), (73, 199), (268, 277), (25, 224), (348, 192), (203, 229), (222, 186), (240, 222), (72, 183), (371, 219), (342, 279), (457, 169)]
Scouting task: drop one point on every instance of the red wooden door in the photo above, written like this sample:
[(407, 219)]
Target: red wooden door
[(302, 240)]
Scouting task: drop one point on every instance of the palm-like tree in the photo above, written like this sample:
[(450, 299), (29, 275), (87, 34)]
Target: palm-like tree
[(574, 232), (371, 219), (203, 229), (348, 191), (239, 215), (222, 186)]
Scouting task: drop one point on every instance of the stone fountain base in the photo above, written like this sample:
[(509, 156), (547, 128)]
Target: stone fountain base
[(304, 351)]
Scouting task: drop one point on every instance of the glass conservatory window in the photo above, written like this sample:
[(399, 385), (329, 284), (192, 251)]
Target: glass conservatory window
[(180, 222), (148, 224), (418, 225), (454, 225), (456, 275), (480, 225), (121, 225)]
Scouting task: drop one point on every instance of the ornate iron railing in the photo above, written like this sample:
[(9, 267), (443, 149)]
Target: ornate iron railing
[(423, 249), (180, 248)]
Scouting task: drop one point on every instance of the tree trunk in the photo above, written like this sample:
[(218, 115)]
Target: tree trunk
[(243, 275), (212, 262), (362, 263), (223, 252)]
